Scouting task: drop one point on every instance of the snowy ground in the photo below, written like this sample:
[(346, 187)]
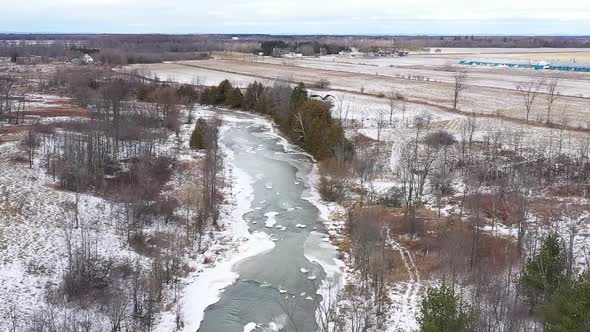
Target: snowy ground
[(362, 113), (33, 222), (32, 211)]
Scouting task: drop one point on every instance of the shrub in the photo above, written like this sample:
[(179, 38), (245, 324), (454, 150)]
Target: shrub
[(322, 84), (332, 189), (234, 98), (87, 272), (442, 311), (199, 135)]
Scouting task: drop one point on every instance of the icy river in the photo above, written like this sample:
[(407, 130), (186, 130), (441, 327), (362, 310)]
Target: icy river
[(277, 288)]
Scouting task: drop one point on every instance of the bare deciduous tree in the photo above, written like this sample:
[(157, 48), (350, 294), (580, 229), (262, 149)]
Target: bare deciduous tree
[(529, 92), (552, 96), (393, 97), (460, 85)]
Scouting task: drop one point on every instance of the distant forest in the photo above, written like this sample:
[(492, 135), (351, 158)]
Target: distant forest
[(121, 49)]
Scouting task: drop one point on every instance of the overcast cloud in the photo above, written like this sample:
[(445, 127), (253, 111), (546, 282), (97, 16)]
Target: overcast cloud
[(571, 17)]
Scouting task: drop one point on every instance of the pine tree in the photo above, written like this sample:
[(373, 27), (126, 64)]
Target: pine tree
[(543, 273), (252, 96), (298, 96), (234, 98), (569, 309), (442, 311), (223, 90)]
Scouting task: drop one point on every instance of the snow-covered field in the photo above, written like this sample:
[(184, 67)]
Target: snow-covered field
[(190, 75), (572, 84), (488, 93)]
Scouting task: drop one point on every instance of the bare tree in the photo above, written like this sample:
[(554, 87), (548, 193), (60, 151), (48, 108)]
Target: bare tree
[(393, 97), (7, 85), (380, 125), (460, 85), (529, 92), (552, 96), (31, 143)]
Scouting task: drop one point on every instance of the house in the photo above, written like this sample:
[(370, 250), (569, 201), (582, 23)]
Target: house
[(87, 59), (293, 55), (83, 60)]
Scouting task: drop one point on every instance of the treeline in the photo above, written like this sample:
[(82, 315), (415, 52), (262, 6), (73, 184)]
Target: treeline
[(307, 48), (307, 122), (130, 49), (120, 49)]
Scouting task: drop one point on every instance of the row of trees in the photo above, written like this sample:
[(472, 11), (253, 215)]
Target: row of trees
[(120, 49), (307, 122)]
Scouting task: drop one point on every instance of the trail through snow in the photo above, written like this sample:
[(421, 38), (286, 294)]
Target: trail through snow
[(405, 295)]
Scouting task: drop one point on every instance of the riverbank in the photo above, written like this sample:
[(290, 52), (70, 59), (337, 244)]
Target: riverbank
[(238, 242)]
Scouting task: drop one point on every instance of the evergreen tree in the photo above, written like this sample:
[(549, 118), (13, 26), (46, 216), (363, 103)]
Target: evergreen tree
[(253, 95), (208, 96), (222, 92), (298, 96), (234, 98), (199, 135), (316, 131), (543, 273), (569, 309), (442, 311)]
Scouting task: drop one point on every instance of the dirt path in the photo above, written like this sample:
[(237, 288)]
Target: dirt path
[(405, 296)]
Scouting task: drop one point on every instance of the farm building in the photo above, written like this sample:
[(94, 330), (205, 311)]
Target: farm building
[(552, 65)]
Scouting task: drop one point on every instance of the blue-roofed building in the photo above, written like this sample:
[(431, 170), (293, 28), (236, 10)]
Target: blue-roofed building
[(551, 65)]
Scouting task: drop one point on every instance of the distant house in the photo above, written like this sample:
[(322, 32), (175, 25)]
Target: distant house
[(279, 52), (293, 55), (83, 60), (352, 52), (87, 59)]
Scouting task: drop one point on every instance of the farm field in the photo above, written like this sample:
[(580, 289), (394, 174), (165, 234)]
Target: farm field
[(489, 93), (571, 84)]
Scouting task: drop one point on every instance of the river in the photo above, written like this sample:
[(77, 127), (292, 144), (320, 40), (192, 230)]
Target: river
[(276, 290)]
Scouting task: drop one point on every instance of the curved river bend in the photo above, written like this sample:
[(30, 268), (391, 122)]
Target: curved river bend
[(277, 289)]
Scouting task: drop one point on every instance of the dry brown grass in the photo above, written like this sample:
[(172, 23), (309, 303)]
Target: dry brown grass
[(59, 111), (441, 244)]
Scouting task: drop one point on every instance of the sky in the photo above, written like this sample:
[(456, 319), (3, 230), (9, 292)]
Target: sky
[(379, 17)]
